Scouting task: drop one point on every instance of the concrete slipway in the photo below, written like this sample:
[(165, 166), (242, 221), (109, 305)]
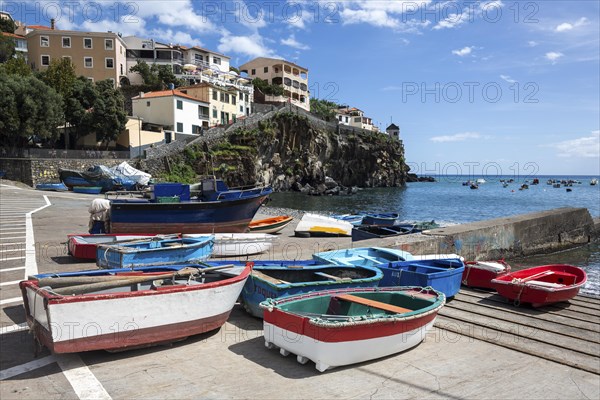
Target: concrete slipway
[(481, 346)]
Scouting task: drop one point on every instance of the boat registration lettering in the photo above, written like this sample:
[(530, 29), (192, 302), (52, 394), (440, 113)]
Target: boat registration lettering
[(266, 293)]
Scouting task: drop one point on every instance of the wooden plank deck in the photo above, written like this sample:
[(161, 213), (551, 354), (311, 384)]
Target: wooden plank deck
[(567, 333)]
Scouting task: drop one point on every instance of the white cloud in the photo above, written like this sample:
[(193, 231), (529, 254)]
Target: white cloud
[(532, 43), (292, 42), (465, 51), (252, 46), (508, 79), (175, 37), (384, 14), (566, 26), (459, 137), (553, 56), (453, 20), (585, 147)]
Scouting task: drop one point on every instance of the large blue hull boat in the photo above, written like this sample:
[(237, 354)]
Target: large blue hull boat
[(212, 211)]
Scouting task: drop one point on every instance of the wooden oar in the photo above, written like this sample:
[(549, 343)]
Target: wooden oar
[(119, 281)]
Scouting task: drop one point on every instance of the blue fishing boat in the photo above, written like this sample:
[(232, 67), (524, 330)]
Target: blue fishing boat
[(53, 187), (364, 232), (442, 274), (381, 219), (87, 189), (98, 175), (153, 251), (274, 279), (210, 208)]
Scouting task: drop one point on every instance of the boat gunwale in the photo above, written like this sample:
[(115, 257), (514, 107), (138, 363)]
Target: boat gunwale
[(503, 279), (124, 247)]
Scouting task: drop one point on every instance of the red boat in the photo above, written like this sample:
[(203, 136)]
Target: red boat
[(540, 286), (479, 274), (84, 246)]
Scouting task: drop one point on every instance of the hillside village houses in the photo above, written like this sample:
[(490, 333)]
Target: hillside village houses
[(213, 94)]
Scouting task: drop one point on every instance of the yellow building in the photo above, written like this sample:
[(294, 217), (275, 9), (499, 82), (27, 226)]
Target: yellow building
[(292, 77), (226, 103), (95, 55)]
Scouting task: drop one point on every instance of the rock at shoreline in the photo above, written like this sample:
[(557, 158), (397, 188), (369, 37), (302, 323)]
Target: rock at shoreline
[(415, 178)]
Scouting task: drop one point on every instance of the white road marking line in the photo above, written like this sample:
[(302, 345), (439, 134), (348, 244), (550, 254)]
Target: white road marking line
[(31, 267), (13, 258), (9, 283), (83, 381), (14, 328), (10, 250), (11, 269), (2, 231), (11, 221), (11, 300), (13, 237), (30, 366)]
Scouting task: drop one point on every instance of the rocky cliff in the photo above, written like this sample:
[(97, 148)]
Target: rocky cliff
[(294, 152)]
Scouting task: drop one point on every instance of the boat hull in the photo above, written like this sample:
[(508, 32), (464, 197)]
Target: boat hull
[(380, 219), (79, 246), (365, 232), (540, 286), (229, 216), (481, 276), (241, 244), (153, 252), (125, 320), (269, 225), (334, 345)]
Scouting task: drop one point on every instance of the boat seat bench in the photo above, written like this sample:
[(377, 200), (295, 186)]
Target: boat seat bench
[(268, 278), (332, 277), (374, 303)]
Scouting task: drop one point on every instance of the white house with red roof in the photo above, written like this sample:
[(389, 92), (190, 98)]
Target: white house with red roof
[(176, 111)]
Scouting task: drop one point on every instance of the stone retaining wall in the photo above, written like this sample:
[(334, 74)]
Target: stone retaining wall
[(34, 171)]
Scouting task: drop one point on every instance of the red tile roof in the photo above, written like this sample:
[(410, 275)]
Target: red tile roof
[(166, 93), (12, 35), (39, 27)]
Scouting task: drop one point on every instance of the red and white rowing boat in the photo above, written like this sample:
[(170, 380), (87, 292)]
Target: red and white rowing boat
[(119, 311), (542, 285), (347, 326), (479, 274)]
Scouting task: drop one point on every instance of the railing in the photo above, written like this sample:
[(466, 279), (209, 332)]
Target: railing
[(67, 154)]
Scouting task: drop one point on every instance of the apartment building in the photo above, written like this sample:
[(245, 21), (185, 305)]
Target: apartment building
[(203, 58), (95, 55), (226, 103), (292, 77), (152, 52), (174, 110)]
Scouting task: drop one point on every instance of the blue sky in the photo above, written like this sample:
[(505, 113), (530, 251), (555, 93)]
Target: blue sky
[(476, 86)]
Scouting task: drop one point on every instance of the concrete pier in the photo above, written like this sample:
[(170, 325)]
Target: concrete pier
[(481, 347)]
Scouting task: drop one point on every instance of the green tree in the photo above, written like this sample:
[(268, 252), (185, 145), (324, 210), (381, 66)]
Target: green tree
[(323, 108), (28, 107), (145, 71), (266, 88), (7, 25), (107, 118), (156, 76), (78, 107), (7, 48), (16, 66), (61, 76)]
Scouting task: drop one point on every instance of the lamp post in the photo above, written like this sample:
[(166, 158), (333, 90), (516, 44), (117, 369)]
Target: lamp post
[(139, 136)]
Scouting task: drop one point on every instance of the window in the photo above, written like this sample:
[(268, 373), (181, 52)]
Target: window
[(233, 100), (215, 95), (44, 41), (198, 57), (147, 104), (241, 109), (227, 98), (69, 57), (109, 62), (222, 97), (121, 68), (87, 43), (179, 105), (346, 119), (88, 62), (340, 118), (358, 119), (195, 129), (253, 72), (266, 69), (108, 44), (89, 78), (66, 42), (180, 127), (217, 60), (45, 60), (215, 113)]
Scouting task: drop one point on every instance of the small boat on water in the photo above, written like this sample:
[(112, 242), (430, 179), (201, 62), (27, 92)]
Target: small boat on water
[(347, 326), (381, 219), (117, 310), (87, 189), (364, 232), (479, 274), (480, 181), (154, 251), (270, 225), (53, 187), (594, 182), (239, 244), (542, 285), (320, 225), (273, 279), (83, 246)]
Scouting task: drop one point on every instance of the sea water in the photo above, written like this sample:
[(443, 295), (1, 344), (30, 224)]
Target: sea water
[(448, 202)]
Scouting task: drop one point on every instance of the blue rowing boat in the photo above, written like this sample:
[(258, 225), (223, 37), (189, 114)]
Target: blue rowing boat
[(54, 187), (153, 251), (381, 219), (402, 269), (87, 189), (212, 208), (274, 279), (364, 232)]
